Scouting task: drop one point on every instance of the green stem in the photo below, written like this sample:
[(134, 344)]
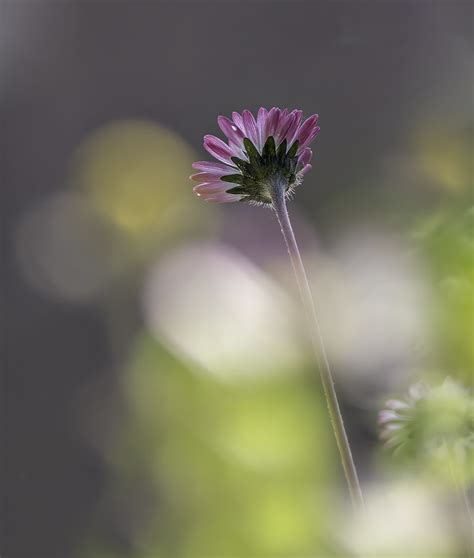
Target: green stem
[(279, 206)]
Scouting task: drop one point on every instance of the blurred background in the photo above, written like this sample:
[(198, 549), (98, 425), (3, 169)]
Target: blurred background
[(159, 396)]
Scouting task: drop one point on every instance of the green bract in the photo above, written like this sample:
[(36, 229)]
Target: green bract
[(262, 171)]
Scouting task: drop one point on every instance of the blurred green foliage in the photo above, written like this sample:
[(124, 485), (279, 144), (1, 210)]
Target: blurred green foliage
[(238, 469), (447, 244)]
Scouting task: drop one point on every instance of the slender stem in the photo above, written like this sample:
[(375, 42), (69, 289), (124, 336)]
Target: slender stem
[(279, 206)]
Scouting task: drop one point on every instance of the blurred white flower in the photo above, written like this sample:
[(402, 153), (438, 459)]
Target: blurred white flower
[(403, 519), (372, 307), (210, 304)]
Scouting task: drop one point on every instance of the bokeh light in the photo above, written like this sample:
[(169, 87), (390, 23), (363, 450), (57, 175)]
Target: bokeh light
[(212, 305), (135, 173), (404, 518), (65, 250), (371, 295), (445, 151)]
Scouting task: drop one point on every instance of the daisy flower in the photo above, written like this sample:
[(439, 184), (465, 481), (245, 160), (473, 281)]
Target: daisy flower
[(428, 419), (263, 161), (259, 154)]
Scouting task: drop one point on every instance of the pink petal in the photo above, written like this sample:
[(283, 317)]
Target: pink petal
[(218, 149), (290, 134), (306, 128), (396, 404), (206, 176), (272, 122), (230, 130), (387, 416), (305, 156), (284, 127), (261, 120), (250, 126), (211, 166), (210, 188), (314, 132), (305, 169), (282, 121), (238, 121)]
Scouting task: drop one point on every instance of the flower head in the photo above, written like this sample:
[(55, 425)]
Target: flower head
[(430, 422), (261, 152), (397, 419)]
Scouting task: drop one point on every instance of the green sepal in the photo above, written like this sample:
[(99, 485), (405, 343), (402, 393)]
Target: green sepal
[(233, 178), (244, 166), (254, 178), (269, 149), (281, 153), (293, 149), (237, 190), (254, 155)]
